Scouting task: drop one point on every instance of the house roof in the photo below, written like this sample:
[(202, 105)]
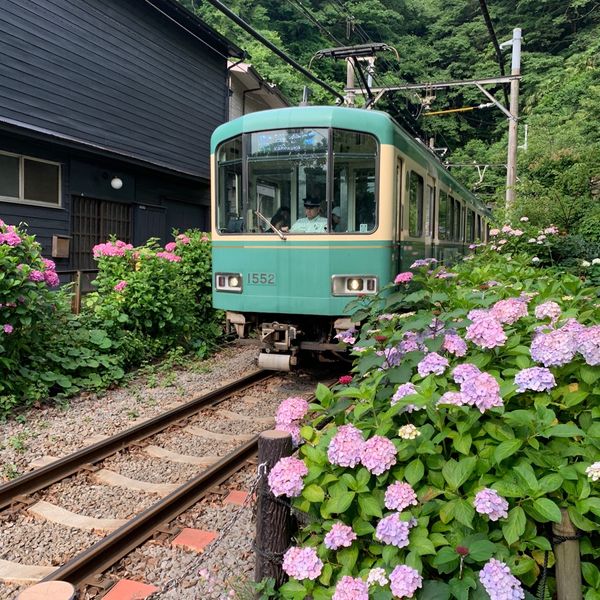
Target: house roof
[(188, 20), (251, 79)]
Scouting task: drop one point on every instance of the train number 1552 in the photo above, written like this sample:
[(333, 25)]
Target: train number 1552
[(261, 278)]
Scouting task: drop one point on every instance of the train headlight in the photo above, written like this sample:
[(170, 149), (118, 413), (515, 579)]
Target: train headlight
[(351, 285), (229, 282)]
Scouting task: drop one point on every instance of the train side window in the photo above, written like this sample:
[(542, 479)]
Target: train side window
[(458, 211), (431, 210), (470, 226), (443, 217), (229, 215), (415, 205)]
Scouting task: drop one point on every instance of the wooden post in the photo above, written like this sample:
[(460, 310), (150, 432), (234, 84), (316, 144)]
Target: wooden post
[(568, 563), (273, 517), (76, 300)]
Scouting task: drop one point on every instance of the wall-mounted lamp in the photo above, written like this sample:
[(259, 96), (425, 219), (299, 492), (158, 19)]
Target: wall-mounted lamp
[(116, 183)]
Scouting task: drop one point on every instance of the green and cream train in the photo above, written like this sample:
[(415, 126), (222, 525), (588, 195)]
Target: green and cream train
[(380, 200)]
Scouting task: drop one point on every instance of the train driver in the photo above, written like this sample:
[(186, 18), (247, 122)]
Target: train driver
[(313, 222)]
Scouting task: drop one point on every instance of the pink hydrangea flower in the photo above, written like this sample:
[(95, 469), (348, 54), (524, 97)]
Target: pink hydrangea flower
[(554, 349), (486, 332), (454, 344), (51, 278), (499, 582), (548, 309), (405, 581), (346, 446), (184, 239), (405, 277), (290, 410), (351, 588), (509, 311), (340, 536), (36, 275), (538, 379), (378, 454), (393, 531), (494, 232), (302, 563), (399, 496), (8, 328), (10, 239), (117, 248), (170, 246), (169, 256), (285, 478), (377, 576), (483, 391), (465, 371), (119, 287), (432, 363), (588, 344), (489, 502)]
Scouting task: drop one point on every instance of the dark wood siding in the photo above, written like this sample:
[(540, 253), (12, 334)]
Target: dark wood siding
[(116, 74)]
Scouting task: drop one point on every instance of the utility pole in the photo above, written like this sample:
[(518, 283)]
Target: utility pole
[(513, 122), (349, 97)]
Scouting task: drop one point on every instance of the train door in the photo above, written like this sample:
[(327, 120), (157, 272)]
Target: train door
[(397, 217)]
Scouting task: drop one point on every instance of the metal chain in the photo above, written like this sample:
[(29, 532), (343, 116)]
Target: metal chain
[(197, 563)]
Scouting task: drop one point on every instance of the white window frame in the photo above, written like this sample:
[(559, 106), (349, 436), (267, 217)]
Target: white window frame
[(21, 199)]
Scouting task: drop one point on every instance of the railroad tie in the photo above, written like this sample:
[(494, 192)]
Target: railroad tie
[(202, 461), (220, 437), (56, 514), (228, 414), (109, 477), (12, 572)]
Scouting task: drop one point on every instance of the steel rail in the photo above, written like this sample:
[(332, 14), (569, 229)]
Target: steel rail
[(63, 467), (105, 553)]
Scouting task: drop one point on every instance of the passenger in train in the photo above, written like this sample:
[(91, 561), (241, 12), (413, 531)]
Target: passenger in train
[(336, 219), (281, 219), (313, 222)]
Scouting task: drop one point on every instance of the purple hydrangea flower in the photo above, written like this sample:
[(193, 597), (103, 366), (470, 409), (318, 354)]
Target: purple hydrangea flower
[(291, 410), (7, 328), (423, 262), (486, 332), (285, 478), (404, 389), (455, 398), (454, 344), (348, 336), (554, 349), (404, 581), (509, 311), (36, 275), (538, 379), (302, 563), (378, 454), (346, 446), (340, 536), (499, 582), (393, 531), (548, 309), (489, 502), (351, 588), (399, 496), (465, 371), (588, 344), (483, 391), (432, 363), (410, 342), (392, 357)]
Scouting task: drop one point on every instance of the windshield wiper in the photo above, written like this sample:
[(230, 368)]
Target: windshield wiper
[(270, 225)]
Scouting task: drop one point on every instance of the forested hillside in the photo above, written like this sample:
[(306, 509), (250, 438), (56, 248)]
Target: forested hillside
[(443, 40)]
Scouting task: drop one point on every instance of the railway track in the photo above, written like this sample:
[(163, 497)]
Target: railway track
[(82, 569)]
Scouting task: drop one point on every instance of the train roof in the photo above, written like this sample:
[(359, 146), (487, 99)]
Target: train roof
[(379, 123)]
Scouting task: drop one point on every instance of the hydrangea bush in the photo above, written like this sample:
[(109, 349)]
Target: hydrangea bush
[(470, 423), (44, 349), (152, 298)]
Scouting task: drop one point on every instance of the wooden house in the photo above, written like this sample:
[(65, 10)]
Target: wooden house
[(106, 113)]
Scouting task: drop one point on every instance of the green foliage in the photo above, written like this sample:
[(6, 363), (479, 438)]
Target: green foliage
[(533, 450)]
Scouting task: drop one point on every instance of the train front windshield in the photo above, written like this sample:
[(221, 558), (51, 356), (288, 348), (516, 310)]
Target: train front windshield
[(285, 185)]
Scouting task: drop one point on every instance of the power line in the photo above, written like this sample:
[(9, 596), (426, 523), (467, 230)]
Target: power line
[(263, 40)]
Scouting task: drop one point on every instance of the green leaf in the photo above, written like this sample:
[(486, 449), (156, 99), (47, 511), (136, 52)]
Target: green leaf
[(456, 473), (464, 513), (591, 574), (580, 521), (548, 509), (506, 449), (422, 545), (481, 550), (313, 493), (414, 471), (514, 527), (563, 430), (462, 443), (323, 394), (434, 590), (446, 560), (589, 374), (348, 557), (339, 503), (369, 506)]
